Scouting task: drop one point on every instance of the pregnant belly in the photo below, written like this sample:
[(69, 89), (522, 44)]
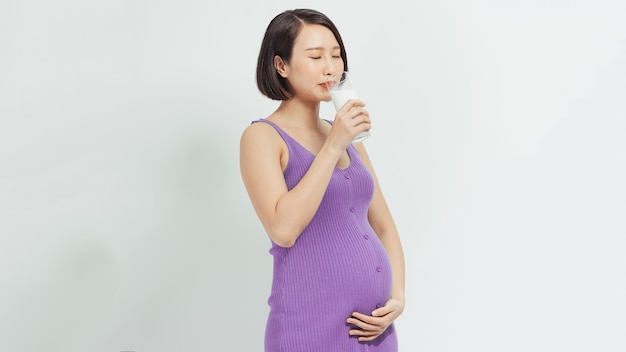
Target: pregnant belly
[(350, 273)]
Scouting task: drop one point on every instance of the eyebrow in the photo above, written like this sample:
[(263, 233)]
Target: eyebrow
[(321, 48)]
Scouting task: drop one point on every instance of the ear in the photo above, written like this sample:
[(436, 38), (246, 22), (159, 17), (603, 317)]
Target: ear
[(281, 66)]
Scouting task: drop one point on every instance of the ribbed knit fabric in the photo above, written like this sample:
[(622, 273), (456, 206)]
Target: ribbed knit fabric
[(336, 266)]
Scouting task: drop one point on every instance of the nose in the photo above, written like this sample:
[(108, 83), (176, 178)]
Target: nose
[(329, 67)]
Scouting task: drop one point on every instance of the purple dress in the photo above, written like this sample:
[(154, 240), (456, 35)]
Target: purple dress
[(336, 266)]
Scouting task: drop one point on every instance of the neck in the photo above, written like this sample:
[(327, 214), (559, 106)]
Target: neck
[(298, 113)]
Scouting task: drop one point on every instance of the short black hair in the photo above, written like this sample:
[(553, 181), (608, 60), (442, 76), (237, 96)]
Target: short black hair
[(279, 39)]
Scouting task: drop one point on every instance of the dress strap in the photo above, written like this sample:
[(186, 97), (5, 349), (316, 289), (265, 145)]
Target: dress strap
[(278, 129), (292, 144)]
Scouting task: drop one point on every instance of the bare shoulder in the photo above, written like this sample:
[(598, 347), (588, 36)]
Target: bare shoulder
[(261, 144), (262, 160), (258, 130), (260, 134)]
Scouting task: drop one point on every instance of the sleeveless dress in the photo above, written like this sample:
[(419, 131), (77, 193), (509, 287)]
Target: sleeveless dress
[(336, 266)]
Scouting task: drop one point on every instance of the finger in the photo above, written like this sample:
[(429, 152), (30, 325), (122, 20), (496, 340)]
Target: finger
[(352, 116), (365, 318), (358, 112), (364, 333), (349, 110), (354, 103), (368, 338), (361, 119), (361, 324), (351, 104), (382, 311), (369, 320), (357, 119)]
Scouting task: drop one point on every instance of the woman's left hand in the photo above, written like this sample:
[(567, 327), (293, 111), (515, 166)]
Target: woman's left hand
[(372, 326)]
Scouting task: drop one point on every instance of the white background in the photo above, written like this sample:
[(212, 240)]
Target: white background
[(499, 140)]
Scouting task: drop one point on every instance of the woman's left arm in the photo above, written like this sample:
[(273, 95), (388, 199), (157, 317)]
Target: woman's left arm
[(381, 220)]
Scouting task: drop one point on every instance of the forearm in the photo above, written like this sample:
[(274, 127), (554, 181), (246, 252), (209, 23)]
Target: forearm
[(393, 246)]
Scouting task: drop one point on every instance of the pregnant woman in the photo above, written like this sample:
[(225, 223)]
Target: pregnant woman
[(338, 281)]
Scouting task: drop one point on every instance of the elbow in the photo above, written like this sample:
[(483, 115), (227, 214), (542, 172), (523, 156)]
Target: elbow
[(283, 238), (285, 243)]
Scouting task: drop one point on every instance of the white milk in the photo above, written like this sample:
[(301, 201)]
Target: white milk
[(340, 97)]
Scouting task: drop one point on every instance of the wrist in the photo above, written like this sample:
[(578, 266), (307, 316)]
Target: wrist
[(333, 150), (398, 295)]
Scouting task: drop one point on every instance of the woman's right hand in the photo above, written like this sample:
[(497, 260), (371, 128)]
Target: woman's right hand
[(351, 119)]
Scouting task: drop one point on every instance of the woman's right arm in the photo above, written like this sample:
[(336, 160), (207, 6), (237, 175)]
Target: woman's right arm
[(283, 213)]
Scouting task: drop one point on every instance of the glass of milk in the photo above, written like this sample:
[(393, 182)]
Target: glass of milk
[(340, 92)]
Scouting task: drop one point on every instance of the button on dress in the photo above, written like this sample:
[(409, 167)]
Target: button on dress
[(336, 266)]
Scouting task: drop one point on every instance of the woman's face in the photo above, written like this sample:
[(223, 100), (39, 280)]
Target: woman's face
[(315, 57)]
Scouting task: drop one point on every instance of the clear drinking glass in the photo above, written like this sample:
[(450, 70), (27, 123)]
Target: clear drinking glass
[(341, 90)]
